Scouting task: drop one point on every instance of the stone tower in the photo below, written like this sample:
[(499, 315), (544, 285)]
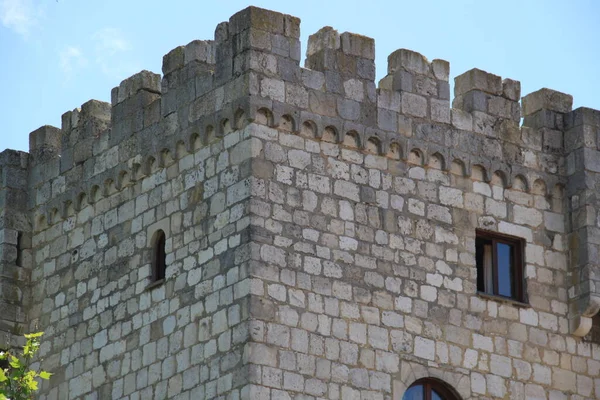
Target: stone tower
[(244, 228)]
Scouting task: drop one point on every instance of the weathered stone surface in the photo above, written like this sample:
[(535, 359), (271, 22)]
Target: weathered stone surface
[(547, 99), (320, 233)]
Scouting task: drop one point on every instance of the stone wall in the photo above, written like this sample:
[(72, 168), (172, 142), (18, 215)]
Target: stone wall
[(320, 229), (15, 242)]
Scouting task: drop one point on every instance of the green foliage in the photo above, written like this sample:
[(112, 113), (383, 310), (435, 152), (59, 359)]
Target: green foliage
[(18, 381)]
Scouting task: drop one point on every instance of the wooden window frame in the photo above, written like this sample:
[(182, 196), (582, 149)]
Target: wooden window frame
[(517, 263)]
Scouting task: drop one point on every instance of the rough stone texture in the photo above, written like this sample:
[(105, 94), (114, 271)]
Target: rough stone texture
[(320, 230)]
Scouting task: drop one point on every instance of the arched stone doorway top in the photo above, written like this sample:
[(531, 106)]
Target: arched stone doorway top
[(430, 389), (458, 383)]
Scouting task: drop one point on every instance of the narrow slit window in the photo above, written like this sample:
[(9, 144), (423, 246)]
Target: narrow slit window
[(159, 256), (19, 260), (500, 266)]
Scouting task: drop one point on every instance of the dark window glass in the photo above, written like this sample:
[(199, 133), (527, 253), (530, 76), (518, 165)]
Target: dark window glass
[(435, 395), (499, 260), (414, 393), (505, 269)]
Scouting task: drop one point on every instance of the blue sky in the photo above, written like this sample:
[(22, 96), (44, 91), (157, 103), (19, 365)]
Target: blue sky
[(56, 55)]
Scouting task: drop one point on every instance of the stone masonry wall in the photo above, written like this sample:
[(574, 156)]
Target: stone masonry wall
[(15, 242), (110, 336), (320, 228)]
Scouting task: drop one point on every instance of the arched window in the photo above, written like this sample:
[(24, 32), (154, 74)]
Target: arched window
[(159, 256), (429, 389)]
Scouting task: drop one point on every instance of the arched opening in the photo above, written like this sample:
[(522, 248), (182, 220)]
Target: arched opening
[(429, 389), (159, 256), (415, 157), (286, 123)]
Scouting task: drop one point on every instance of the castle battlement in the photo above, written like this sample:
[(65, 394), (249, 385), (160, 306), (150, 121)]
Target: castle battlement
[(335, 92), (303, 207)]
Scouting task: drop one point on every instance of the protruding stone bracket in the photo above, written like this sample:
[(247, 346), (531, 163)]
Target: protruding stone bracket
[(580, 325)]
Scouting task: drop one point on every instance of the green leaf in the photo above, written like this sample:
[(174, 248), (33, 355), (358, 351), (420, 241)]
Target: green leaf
[(45, 375), (32, 385), (2, 376), (14, 362), (33, 335)]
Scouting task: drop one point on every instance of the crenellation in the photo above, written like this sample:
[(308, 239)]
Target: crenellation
[(44, 144), (487, 97), (547, 99), (347, 62), (321, 234)]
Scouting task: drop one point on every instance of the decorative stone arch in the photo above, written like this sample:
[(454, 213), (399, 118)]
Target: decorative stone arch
[(68, 209), (181, 150), (330, 134), (195, 142), (123, 179), (457, 383), (499, 178), (437, 161), (287, 123), (416, 156), (226, 127), (240, 119), (308, 129), (165, 158), (520, 183), (82, 201), (374, 145), (395, 151), (264, 116), (458, 167), (352, 140)]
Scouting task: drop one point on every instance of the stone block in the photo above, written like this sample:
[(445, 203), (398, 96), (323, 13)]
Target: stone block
[(357, 45), (547, 99), (325, 38), (441, 69), (511, 89), (45, 143), (197, 50), (408, 60), (476, 79)]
